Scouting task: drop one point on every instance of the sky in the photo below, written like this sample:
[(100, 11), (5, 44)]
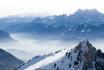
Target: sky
[(47, 7)]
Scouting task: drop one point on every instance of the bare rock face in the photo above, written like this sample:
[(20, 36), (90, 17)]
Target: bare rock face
[(92, 59), (99, 61), (87, 53)]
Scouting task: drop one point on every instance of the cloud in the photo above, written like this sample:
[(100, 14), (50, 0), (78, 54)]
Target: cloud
[(11, 7)]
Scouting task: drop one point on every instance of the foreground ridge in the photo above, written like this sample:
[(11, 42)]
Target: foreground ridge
[(83, 57)]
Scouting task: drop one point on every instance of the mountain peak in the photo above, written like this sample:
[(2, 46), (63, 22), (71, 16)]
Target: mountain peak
[(87, 52), (84, 46), (87, 10), (84, 42), (83, 57)]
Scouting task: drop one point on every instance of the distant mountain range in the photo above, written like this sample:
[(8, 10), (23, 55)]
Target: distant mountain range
[(80, 25), (8, 61), (83, 57)]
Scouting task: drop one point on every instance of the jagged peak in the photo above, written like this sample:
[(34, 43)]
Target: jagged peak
[(87, 52), (71, 60), (87, 11), (84, 42), (84, 46)]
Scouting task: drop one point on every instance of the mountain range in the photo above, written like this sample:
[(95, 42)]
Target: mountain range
[(82, 24), (83, 57)]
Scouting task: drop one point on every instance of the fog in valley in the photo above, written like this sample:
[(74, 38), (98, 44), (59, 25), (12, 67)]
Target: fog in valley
[(25, 47)]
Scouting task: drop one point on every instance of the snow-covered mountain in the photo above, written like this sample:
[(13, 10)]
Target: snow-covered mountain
[(87, 24), (8, 61), (37, 59), (10, 21), (83, 57)]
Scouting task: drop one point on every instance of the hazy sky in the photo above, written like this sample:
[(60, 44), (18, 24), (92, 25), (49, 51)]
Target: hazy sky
[(46, 7)]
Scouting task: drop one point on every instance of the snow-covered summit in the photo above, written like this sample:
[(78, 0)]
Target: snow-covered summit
[(84, 46), (83, 57)]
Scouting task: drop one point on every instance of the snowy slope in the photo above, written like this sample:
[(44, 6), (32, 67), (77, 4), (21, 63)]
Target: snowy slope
[(31, 62), (36, 59), (83, 57), (47, 61)]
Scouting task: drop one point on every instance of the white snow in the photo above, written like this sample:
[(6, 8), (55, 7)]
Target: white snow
[(61, 59), (33, 61), (64, 60), (47, 61)]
